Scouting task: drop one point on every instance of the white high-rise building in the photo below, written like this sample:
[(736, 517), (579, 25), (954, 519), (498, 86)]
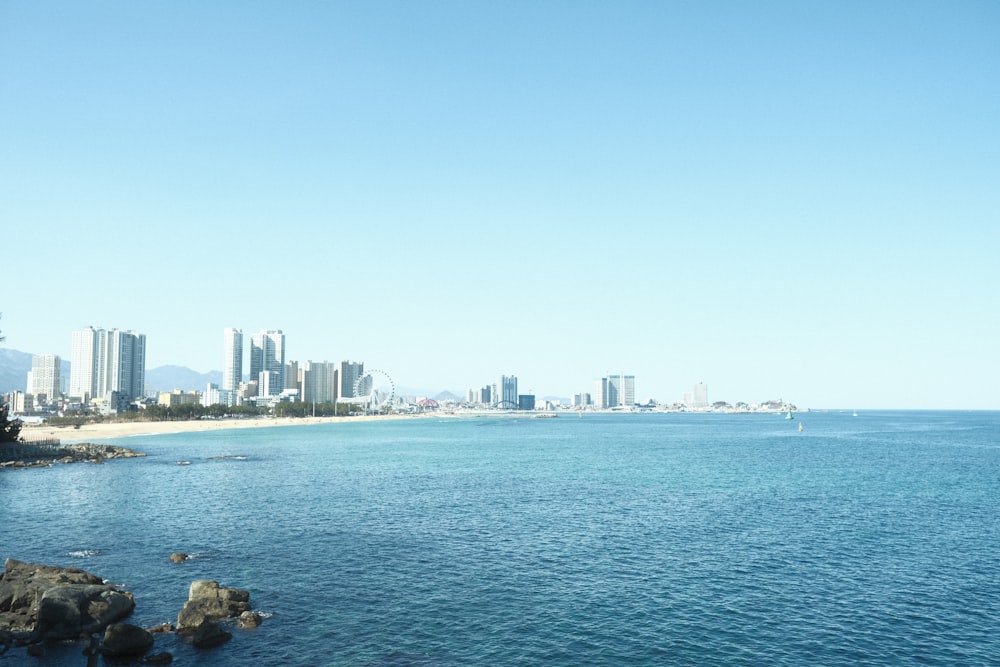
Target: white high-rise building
[(615, 391), (700, 398), (319, 382), (84, 354), (601, 393), (507, 392), (232, 368), (267, 355), (45, 370), (621, 391), (107, 362), (126, 364)]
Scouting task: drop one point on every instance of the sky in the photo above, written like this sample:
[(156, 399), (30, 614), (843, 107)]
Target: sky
[(779, 199)]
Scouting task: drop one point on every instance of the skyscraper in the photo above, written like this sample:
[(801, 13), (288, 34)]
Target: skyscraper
[(45, 369), (507, 391), (267, 354), (349, 374), (700, 398), (83, 363), (319, 382), (125, 370), (106, 362), (232, 369), (614, 391), (621, 390)]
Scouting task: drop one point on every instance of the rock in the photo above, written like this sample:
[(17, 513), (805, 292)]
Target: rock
[(249, 619), (36, 650), (124, 639), (66, 612), (162, 627), (207, 601), (178, 557), (210, 635), (163, 658), (43, 602)]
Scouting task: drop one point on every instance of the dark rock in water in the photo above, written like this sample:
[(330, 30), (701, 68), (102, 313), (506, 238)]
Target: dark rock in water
[(163, 658), (46, 602), (124, 639), (36, 650), (178, 557), (210, 635), (207, 601), (66, 612), (161, 628), (249, 619)]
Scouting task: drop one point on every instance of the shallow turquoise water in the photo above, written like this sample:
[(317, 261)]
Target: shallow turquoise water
[(607, 540)]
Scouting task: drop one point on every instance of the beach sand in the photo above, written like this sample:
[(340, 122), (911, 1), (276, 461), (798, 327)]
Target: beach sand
[(95, 432)]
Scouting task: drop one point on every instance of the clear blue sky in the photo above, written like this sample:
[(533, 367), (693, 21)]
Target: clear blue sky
[(794, 199)]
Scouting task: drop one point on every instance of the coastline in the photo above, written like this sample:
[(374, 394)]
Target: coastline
[(110, 431)]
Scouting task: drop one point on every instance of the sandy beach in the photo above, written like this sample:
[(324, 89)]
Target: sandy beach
[(107, 431)]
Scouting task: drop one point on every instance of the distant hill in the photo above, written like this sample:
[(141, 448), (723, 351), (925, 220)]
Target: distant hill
[(168, 378), (14, 368)]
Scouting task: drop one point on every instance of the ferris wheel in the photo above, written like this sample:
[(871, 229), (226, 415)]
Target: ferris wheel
[(375, 389)]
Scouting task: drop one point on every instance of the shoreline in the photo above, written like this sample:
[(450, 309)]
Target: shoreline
[(114, 430)]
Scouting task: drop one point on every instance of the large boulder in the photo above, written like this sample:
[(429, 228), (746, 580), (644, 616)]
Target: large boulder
[(47, 602), (123, 639), (210, 635), (207, 601), (66, 612)]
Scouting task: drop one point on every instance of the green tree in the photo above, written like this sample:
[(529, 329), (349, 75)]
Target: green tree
[(10, 429)]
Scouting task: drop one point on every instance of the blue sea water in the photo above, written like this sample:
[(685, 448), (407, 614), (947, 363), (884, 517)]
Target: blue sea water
[(608, 540)]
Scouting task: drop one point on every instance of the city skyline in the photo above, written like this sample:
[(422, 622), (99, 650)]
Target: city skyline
[(781, 201)]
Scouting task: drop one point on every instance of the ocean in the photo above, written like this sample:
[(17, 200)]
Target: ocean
[(618, 539)]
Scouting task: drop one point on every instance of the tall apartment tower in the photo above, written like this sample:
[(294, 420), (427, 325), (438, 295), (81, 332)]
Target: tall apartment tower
[(83, 363), (507, 391), (319, 382), (124, 369), (601, 393), (349, 373), (45, 369), (292, 377), (621, 390), (614, 391), (700, 398), (232, 368), (267, 354), (106, 362)]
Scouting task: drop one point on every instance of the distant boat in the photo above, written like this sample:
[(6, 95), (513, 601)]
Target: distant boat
[(800, 427), (855, 413), (789, 415)]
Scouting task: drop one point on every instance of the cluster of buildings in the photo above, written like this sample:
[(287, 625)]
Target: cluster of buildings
[(108, 371), (613, 392), (108, 375), (272, 379)]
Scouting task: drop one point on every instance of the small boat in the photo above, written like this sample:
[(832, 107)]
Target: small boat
[(800, 427)]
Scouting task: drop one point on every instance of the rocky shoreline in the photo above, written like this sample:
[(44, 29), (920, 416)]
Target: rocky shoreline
[(39, 603), (19, 455)]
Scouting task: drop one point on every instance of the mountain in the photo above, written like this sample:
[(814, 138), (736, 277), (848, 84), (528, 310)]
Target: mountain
[(14, 368), (168, 378)]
